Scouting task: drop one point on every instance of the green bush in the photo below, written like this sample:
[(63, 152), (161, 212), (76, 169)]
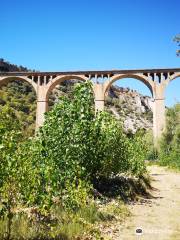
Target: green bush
[(169, 146), (74, 147)]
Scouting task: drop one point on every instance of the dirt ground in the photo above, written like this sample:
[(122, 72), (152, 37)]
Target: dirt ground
[(157, 217)]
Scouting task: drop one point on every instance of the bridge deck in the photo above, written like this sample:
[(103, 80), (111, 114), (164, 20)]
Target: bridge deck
[(98, 72)]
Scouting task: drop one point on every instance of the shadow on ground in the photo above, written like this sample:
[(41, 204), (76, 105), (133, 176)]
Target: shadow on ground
[(128, 189)]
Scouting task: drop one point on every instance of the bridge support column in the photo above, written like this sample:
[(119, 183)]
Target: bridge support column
[(42, 107), (99, 96), (158, 119), (158, 113)]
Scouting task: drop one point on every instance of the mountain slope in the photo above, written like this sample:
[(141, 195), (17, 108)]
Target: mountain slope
[(20, 96)]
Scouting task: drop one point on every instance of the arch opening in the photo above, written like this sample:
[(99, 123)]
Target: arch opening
[(62, 86), (130, 100), (142, 79), (6, 80), (20, 95), (172, 95)]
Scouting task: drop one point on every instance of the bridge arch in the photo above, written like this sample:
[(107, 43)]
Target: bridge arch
[(140, 77), (171, 92), (174, 76), (59, 79), (5, 80), (25, 108), (116, 104)]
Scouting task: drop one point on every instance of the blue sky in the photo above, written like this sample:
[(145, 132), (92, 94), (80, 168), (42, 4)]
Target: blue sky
[(92, 34)]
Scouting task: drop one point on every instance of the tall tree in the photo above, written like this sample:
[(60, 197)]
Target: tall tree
[(177, 40)]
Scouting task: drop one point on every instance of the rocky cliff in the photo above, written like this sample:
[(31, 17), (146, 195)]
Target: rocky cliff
[(132, 108)]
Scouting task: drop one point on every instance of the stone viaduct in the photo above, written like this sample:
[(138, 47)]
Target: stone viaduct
[(43, 82)]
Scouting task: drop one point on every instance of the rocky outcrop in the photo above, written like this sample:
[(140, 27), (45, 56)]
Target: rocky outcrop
[(132, 108)]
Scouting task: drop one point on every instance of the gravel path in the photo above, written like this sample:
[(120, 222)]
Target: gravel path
[(159, 217)]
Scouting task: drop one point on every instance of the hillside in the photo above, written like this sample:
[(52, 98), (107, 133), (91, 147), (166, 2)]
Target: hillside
[(133, 109), (8, 67), (20, 96)]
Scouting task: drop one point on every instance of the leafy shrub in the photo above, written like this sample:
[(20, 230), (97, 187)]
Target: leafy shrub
[(58, 166), (169, 146), (9, 137), (74, 146)]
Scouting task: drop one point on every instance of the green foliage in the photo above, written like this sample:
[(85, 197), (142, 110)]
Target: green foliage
[(152, 153), (78, 143), (19, 177), (22, 99), (9, 136), (74, 147), (170, 151), (82, 224), (137, 153)]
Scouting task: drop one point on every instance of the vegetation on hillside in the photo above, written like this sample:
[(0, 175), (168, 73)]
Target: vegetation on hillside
[(9, 67), (170, 143), (22, 99), (47, 183), (19, 96)]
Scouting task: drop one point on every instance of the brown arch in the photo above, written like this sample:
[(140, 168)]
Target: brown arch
[(5, 80), (59, 79), (143, 79)]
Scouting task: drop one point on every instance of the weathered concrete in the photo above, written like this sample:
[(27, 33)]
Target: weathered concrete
[(43, 82), (42, 105), (158, 110), (99, 97)]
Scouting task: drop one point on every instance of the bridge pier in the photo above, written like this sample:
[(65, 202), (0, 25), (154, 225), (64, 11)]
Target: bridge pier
[(42, 106), (158, 112), (99, 96), (158, 119)]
